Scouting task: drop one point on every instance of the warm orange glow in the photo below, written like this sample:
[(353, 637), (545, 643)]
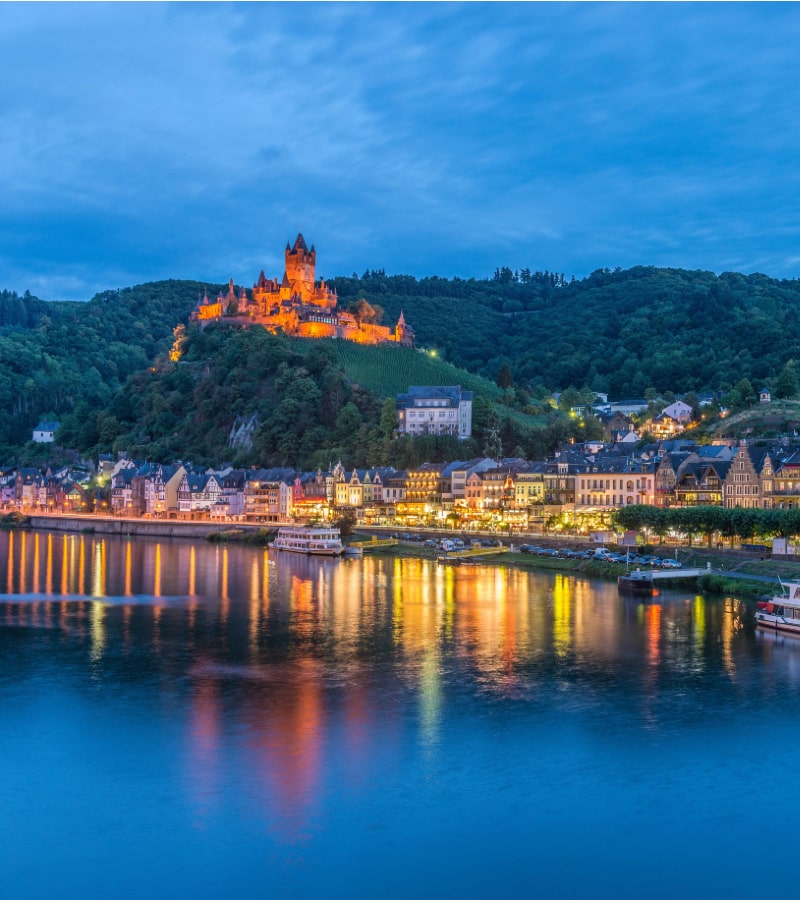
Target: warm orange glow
[(36, 563), (192, 570), (157, 572), (297, 305), (48, 582), (128, 588), (82, 567), (64, 566), (653, 624), (10, 569)]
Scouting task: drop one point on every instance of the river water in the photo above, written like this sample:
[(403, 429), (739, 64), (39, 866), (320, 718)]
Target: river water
[(184, 719)]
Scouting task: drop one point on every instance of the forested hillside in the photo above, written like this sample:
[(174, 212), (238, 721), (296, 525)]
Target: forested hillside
[(620, 332), (308, 411), (311, 404), (62, 358)]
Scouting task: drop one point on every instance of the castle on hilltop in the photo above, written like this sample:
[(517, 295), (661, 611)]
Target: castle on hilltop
[(300, 306)]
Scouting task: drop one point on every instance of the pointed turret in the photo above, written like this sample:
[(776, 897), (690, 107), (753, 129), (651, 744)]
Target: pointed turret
[(404, 333), (300, 244)]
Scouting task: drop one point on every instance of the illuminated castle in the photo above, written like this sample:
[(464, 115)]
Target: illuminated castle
[(300, 306)]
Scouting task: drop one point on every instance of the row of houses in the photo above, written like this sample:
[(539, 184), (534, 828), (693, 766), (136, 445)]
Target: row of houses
[(580, 485)]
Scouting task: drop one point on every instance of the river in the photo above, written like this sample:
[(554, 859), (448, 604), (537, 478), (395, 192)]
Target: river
[(182, 719)]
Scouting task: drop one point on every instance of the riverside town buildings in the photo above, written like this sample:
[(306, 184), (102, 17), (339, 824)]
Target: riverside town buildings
[(577, 489), (299, 305)]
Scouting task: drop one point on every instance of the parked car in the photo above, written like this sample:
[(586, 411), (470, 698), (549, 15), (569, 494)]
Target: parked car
[(431, 543), (670, 564)]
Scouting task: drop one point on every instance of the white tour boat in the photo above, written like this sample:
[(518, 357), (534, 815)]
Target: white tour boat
[(316, 541), (782, 613)]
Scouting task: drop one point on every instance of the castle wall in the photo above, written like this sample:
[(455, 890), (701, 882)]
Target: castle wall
[(294, 304)]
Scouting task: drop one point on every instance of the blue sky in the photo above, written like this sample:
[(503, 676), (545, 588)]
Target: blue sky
[(151, 141)]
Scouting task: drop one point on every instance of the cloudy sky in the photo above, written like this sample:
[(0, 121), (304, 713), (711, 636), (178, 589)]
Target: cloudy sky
[(149, 141)]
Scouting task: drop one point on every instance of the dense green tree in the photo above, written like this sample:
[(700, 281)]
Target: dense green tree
[(505, 379), (786, 383)]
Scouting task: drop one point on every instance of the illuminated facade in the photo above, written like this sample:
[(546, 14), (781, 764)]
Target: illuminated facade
[(435, 410), (299, 305)]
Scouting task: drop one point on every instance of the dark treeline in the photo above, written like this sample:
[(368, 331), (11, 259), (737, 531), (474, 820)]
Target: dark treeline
[(619, 332)]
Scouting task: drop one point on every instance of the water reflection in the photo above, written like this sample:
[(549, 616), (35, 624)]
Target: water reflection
[(278, 663)]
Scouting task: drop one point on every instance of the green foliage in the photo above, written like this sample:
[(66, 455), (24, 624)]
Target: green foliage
[(738, 522), (786, 386), (644, 331), (388, 370), (68, 359), (621, 332)]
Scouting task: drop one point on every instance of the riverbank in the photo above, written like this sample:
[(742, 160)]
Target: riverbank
[(729, 572), (720, 579), (164, 528)]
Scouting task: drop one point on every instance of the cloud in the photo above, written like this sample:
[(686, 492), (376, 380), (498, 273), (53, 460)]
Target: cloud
[(183, 140)]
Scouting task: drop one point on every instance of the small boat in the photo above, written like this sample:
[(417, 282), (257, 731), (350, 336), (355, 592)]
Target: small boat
[(311, 541), (782, 613), (444, 560), (637, 582)]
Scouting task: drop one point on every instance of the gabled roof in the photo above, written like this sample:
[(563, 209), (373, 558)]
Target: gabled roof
[(273, 475), (453, 393)]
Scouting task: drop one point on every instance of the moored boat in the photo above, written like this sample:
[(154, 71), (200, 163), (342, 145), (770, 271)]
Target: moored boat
[(637, 582), (313, 541), (782, 613)]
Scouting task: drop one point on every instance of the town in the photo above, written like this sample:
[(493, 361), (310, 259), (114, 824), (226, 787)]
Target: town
[(575, 491)]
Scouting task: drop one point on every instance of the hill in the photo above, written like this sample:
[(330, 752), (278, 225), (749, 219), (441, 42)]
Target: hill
[(766, 420), (62, 358), (618, 332), (387, 370), (312, 402)]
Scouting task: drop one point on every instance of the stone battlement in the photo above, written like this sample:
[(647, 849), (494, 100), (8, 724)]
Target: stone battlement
[(299, 305)]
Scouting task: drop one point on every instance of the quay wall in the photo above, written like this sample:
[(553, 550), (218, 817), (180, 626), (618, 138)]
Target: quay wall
[(163, 528)]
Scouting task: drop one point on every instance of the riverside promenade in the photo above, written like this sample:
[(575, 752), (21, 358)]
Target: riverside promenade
[(134, 527)]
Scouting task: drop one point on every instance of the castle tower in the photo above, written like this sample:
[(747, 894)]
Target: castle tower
[(300, 265), (404, 333)]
